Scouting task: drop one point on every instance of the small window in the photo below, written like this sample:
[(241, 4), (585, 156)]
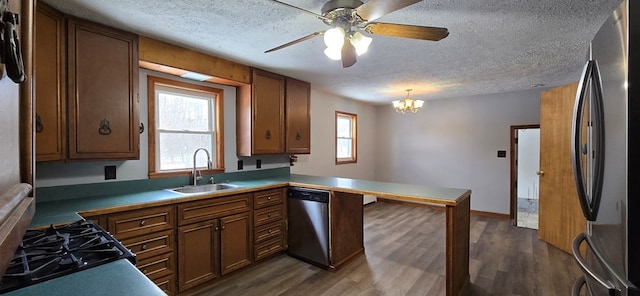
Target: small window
[(346, 148), (182, 118)]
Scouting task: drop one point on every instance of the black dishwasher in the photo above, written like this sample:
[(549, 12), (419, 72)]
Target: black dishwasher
[(308, 216)]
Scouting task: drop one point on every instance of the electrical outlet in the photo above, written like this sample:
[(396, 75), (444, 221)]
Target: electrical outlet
[(240, 164), (258, 163), (502, 153), (109, 172)]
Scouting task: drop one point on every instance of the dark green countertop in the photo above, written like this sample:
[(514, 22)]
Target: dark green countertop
[(114, 278), (63, 211)]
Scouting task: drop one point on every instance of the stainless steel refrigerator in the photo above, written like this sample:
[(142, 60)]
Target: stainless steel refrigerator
[(606, 160)]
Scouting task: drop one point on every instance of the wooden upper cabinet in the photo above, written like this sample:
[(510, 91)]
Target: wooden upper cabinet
[(298, 119), (260, 115), (50, 94), (261, 124), (103, 90)]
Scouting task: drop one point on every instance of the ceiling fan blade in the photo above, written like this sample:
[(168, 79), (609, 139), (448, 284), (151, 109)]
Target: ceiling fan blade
[(407, 31), (302, 9), (296, 41), (374, 9), (348, 54)]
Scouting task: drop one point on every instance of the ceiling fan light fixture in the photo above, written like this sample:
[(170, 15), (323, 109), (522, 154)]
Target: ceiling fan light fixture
[(360, 42), (334, 37), (334, 53)]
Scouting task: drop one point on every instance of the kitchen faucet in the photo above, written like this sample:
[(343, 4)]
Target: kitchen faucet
[(196, 174)]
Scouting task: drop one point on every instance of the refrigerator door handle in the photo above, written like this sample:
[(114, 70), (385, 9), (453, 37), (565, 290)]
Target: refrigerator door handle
[(589, 187), (577, 286), (611, 289)]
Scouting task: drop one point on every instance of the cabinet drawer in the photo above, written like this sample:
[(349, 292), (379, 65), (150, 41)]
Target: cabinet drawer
[(150, 245), (269, 231), (167, 284), (268, 248), (158, 266), (213, 208), (266, 215), (139, 222), (267, 198)]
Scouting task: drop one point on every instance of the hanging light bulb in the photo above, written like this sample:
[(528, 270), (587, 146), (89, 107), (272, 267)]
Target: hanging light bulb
[(334, 37), (334, 53), (360, 42)]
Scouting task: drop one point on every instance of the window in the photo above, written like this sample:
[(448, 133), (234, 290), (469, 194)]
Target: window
[(182, 118), (346, 137)]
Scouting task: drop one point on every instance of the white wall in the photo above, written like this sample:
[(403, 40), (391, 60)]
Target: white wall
[(321, 161), (528, 163), (55, 174), (453, 143), (9, 132)]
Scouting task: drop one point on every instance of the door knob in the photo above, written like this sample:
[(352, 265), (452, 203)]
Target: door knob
[(540, 173)]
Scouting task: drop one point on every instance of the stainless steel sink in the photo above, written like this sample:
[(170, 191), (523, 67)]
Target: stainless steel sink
[(204, 188)]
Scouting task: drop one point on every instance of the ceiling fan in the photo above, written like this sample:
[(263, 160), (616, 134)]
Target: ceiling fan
[(348, 17)]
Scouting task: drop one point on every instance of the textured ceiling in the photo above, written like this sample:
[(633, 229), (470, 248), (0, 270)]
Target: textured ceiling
[(493, 46)]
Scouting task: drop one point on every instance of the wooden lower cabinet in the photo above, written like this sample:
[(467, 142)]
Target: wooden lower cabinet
[(167, 284), (198, 254), (347, 233), (270, 225), (235, 243), (206, 238), (219, 243), (148, 233)]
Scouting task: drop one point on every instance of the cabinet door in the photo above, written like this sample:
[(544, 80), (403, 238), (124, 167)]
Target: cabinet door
[(298, 119), (268, 113), (50, 92), (198, 254), (235, 242), (103, 86)]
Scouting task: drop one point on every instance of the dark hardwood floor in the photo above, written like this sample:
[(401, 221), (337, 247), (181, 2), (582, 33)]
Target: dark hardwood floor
[(405, 248)]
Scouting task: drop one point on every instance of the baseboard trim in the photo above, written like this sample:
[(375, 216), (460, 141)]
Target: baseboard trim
[(439, 207), (491, 214)]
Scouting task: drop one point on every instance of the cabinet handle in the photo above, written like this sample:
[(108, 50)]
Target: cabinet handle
[(268, 135), (298, 137), (105, 127), (268, 197), (142, 222), (144, 247), (216, 228), (144, 271), (269, 215), (269, 231), (141, 128), (39, 125), (223, 226)]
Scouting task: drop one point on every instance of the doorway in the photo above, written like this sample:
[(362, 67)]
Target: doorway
[(525, 183)]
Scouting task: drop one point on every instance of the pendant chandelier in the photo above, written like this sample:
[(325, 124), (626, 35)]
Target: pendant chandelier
[(408, 104)]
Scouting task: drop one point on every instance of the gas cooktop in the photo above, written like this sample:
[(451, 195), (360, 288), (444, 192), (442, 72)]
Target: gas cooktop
[(60, 250)]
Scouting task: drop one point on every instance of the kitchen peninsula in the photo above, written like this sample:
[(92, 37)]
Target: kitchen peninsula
[(455, 201)]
